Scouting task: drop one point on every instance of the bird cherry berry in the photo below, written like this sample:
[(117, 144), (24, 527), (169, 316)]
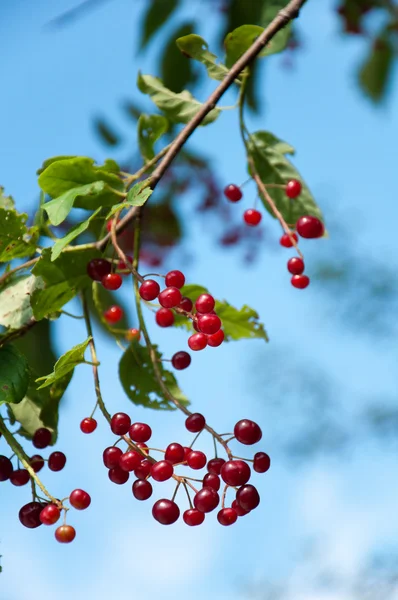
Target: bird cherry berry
[(165, 511), (247, 432), (29, 515), (186, 304), (162, 470), (261, 462), (310, 227), (293, 188), (197, 341), (42, 438), (216, 339), (120, 423), (174, 453), (65, 534), (130, 460), (19, 477), (235, 472), (233, 192), (193, 517), (122, 266), (140, 432), (181, 360), (252, 217), (133, 335), (88, 425), (209, 324), (206, 499), (195, 423), (211, 480), (142, 489), (175, 279), (248, 497), (113, 281), (187, 452), (80, 499), (118, 475), (142, 446), (113, 314), (239, 510), (149, 290), (143, 470), (300, 281), (295, 265), (214, 465), (111, 457), (196, 459), (164, 317), (97, 268), (227, 516), (286, 241), (50, 514), (6, 468), (56, 461), (36, 462), (170, 297), (205, 303)]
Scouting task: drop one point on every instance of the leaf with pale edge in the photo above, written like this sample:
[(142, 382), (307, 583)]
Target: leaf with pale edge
[(14, 375), (65, 364), (149, 129), (16, 240), (197, 48), (15, 308), (71, 235)]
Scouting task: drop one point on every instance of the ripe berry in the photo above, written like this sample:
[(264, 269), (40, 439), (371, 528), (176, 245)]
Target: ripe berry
[(88, 425), (112, 281), (247, 432), (65, 534), (193, 517), (50, 514), (19, 477), (214, 465), (122, 266), (310, 227), (211, 480), (181, 360), (235, 472), (42, 438), (133, 335), (162, 470), (186, 304), (205, 303), (79, 499), (216, 339), (130, 460), (197, 341), (98, 268), (164, 317), (206, 500), (209, 324), (227, 516), (252, 217), (56, 461), (293, 188), (29, 515), (187, 452), (111, 457), (170, 297), (261, 462), (175, 279), (196, 459), (36, 462), (6, 468), (286, 242), (143, 470), (142, 489), (233, 193), (165, 512), (149, 290), (140, 432), (117, 475), (300, 281), (174, 453), (142, 446), (295, 265), (114, 314), (195, 422), (120, 423), (248, 497), (239, 510)]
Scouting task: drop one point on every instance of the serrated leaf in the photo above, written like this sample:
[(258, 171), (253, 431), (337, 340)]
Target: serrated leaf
[(15, 308), (136, 196), (106, 133), (6, 202), (73, 233), (14, 375), (180, 108), (65, 364), (139, 382), (155, 17), (196, 47), (150, 128), (16, 240), (375, 73), (97, 193)]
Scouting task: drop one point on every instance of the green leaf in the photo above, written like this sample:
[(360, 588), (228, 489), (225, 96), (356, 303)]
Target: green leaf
[(6, 202), (16, 240), (110, 166), (150, 128), (71, 235), (54, 159), (176, 72), (65, 364), (105, 132), (281, 39), (240, 324), (274, 168), (136, 196), (180, 108), (155, 17), (239, 40), (14, 375), (375, 73), (194, 46), (139, 382), (15, 308)]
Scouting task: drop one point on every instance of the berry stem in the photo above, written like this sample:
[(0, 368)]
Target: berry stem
[(120, 252), (187, 492), (175, 491), (224, 495)]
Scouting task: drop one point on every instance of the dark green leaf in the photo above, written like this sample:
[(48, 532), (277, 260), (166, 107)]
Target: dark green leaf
[(65, 364), (16, 240), (15, 308), (196, 47), (375, 73), (14, 375), (150, 128), (6, 202), (105, 132), (176, 71), (54, 159), (155, 17), (71, 235)]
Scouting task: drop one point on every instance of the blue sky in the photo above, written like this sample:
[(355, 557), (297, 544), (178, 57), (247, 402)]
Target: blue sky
[(52, 85)]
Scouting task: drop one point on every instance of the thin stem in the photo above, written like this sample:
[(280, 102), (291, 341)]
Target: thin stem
[(25, 265), (175, 491), (151, 163), (223, 495), (120, 252), (187, 492), (68, 314), (195, 438)]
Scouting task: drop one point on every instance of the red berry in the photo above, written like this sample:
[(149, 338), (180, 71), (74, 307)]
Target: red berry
[(170, 297), (247, 497), (111, 457), (36, 462), (261, 462), (165, 512), (88, 425), (235, 472), (113, 281), (29, 515), (227, 516), (300, 281), (196, 459), (143, 470), (175, 279), (197, 341), (140, 432), (98, 268), (211, 480), (109, 225), (50, 514), (310, 227), (187, 452), (19, 477), (142, 489), (293, 188), (130, 460), (114, 314), (162, 470), (216, 339), (65, 534), (286, 242), (117, 475), (206, 500), (164, 317), (209, 324), (214, 465), (133, 335), (120, 423), (56, 461), (79, 499), (42, 438), (181, 360), (186, 304), (174, 453), (142, 446), (247, 432), (295, 265), (239, 510), (233, 192), (149, 290), (205, 303), (252, 217), (193, 517), (122, 266), (6, 468), (195, 422)]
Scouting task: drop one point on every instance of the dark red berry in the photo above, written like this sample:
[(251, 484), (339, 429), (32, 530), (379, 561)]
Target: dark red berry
[(117, 475), (149, 290), (206, 500), (193, 517), (209, 324), (162, 470), (233, 192), (50, 514), (286, 241), (293, 188), (261, 462), (212, 480), (98, 268), (130, 460), (170, 297), (239, 510), (195, 422), (205, 303), (6, 468), (197, 341), (111, 457), (143, 470), (214, 465), (174, 453), (133, 335), (88, 425), (140, 432), (310, 227), (80, 499), (114, 314), (19, 477), (186, 304), (295, 265), (300, 281), (252, 217), (42, 438), (216, 339), (56, 461), (120, 423), (227, 516), (175, 279), (181, 360), (235, 472), (142, 489), (165, 512), (164, 317), (142, 446), (29, 515), (196, 459), (36, 462), (247, 497), (65, 534), (247, 432), (112, 281)]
